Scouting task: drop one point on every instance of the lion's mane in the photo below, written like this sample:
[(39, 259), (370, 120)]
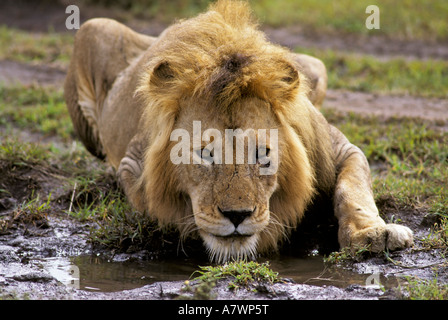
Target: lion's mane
[(220, 56)]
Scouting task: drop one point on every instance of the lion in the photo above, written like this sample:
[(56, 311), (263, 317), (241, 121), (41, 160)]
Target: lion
[(127, 93)]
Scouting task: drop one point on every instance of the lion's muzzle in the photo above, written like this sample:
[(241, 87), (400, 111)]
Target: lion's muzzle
[(237, 216), (232, 233)]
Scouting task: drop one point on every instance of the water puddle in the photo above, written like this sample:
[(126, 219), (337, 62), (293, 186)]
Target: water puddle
[(63, 270), (93, 273), (313, 271)]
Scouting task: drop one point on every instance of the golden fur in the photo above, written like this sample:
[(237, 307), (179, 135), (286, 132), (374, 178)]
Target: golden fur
[(220, 69), (195, 69)]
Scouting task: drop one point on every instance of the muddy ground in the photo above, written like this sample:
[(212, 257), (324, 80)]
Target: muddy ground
[(26, 248)]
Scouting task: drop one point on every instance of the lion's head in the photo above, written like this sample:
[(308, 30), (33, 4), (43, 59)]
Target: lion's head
[(208, 76)]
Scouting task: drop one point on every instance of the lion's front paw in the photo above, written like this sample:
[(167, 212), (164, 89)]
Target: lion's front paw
[(398, 237), (389, 236)]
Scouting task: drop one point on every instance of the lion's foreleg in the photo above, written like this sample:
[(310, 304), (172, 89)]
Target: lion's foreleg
[(129, 172), (354, 204)]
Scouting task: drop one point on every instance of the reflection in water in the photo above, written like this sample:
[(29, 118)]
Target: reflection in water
[(99, 274), (313, 271), (63, 270)]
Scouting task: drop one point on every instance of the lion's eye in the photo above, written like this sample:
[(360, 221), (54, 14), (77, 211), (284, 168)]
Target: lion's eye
[(263, 157)]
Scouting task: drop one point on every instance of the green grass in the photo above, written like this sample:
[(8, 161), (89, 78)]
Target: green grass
[(29, 47), (17, 151), (409, 19), (240, 275), (438, 236), (118, 226), (38, 109), (427, 78), (347, 254), (427, 289), (30, 212)]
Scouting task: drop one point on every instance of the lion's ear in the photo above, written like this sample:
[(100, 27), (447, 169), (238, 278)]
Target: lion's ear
[(291, 76), (161, 73), (287, 81)]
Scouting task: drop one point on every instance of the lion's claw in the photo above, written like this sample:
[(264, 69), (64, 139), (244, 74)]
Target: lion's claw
[(382, 237)]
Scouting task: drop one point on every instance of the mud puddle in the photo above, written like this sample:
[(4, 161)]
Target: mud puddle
[(313, 271), (99, 274)]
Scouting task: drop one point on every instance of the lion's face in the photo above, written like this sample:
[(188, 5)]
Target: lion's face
[(199, 83), (230, 195)]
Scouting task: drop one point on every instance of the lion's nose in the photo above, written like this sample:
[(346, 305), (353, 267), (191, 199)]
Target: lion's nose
[(237, 216)]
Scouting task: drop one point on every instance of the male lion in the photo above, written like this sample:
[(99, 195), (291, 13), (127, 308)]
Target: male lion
[(127, 93)]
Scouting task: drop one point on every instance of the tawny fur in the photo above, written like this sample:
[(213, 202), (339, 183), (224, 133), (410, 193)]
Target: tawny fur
[(127, 93)]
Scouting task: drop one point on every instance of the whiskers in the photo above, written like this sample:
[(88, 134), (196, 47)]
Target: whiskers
[(274, 232), (283, 228), (223, 250), (187, 227)]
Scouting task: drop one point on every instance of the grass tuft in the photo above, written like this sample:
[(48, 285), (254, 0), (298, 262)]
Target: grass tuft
[(242, 273), (427, 289), (31, 212)]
